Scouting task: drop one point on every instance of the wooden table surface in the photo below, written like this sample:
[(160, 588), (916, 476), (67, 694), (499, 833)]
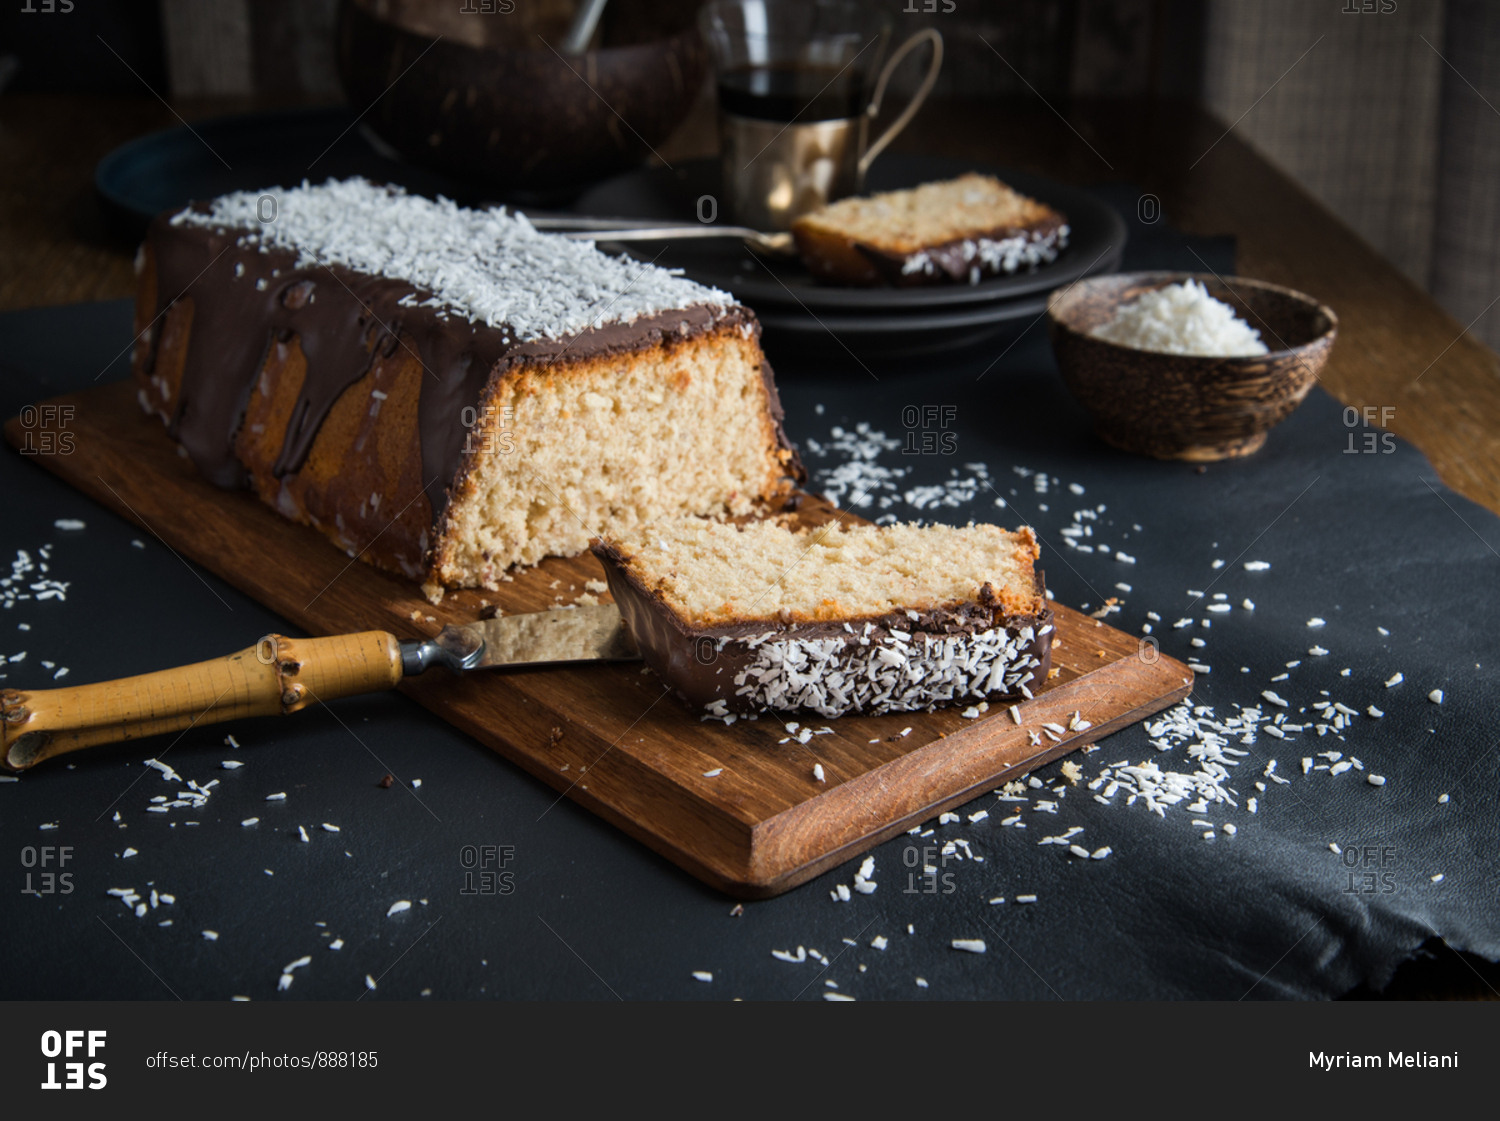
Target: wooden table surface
[(1397, 349)]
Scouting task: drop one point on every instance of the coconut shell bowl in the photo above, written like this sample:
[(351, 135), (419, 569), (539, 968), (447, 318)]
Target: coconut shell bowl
[(1175, 406)]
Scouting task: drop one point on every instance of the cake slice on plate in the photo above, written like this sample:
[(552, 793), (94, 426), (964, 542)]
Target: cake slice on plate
[(834, 619), (446, 392), (957, 231)]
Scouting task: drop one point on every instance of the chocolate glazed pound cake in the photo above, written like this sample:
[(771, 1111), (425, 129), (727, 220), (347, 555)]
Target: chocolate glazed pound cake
[(833, 620), (446, 392), (957, 231)]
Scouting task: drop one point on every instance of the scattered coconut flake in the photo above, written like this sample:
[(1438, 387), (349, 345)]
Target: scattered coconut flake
[(398, 906)]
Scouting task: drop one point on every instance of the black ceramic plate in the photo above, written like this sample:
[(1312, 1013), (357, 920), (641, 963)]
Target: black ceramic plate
[(169, 169), (1097, 238), (893, 326), (886, 341)]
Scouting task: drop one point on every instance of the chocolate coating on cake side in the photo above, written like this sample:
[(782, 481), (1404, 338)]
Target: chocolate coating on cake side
[(245, 296), (968, 260), (709, 668)]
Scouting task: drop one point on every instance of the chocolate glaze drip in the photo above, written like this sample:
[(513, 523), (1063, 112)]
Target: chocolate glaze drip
[(244, 298)]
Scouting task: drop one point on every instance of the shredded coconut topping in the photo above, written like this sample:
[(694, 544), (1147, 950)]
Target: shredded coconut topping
[(486, 266), (1182, 319)]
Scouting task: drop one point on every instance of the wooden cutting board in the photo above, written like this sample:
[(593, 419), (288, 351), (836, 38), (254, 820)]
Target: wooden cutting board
[(608, 736)]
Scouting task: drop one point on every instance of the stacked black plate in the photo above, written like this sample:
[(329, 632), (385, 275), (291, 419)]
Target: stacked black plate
[(893, 322)]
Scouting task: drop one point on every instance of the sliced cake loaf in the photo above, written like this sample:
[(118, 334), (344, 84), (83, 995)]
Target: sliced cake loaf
[(960, 230), (834, 619), (447, 392)]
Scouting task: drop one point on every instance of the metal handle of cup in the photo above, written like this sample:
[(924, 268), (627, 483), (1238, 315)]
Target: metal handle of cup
[(927, 35)]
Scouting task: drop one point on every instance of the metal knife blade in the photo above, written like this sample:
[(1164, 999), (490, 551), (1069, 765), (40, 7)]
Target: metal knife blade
[(575, 634)]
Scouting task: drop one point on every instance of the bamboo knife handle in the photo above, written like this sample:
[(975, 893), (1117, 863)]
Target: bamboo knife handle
[(276, 675)]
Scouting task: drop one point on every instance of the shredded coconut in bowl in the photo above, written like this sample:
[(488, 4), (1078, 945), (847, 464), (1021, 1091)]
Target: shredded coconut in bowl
[(1182, 319)]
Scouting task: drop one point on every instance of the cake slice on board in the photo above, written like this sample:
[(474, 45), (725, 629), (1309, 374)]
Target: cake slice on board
[(835, 619)]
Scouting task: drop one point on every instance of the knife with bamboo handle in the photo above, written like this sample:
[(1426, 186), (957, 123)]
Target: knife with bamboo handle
[(280, 675)]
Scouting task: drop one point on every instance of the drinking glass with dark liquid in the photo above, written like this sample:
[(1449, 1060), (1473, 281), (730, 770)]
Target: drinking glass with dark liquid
[(797, 99)]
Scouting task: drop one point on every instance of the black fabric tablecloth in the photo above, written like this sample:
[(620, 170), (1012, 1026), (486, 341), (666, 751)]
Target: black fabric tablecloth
[(1363, 540)]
